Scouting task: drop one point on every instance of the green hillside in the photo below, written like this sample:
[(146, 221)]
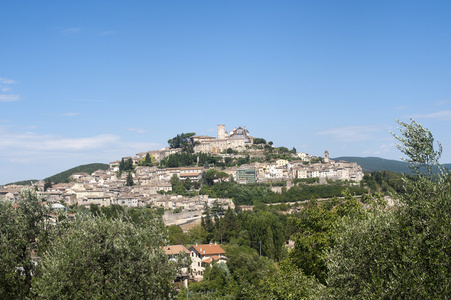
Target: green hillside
[(64, 176), (370, 164), (89, 168)]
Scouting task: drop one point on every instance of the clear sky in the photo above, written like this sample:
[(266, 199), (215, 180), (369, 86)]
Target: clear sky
[(93, 81)]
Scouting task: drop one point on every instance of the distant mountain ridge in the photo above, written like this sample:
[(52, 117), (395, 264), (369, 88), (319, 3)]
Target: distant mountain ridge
[(370, 164), (64, 176)]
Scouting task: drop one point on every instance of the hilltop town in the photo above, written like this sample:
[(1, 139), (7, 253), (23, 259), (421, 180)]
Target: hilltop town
[(147, 179)]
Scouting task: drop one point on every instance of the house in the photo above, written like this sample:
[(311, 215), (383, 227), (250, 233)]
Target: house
[(173, 252), (204, 254)]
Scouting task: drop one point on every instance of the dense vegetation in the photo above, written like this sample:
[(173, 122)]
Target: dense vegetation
[(89, 168), (250, 194), (109, 254), (347, 248), (64, 176)]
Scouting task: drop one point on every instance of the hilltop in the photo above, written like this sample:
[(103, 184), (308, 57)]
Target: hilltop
[(64, 176), (370, 164)]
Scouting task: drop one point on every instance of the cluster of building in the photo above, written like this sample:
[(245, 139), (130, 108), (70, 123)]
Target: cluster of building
[(151, 184)]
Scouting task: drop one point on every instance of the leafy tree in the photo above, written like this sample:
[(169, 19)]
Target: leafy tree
[(23, 236), (100, 258), (126, 165), (176, 235), (259, 141), (283, 150), (187, 184), (287, 282), (315, 234), (182, 141), (47, 184), (402, 253), (129, 181), (417, 143), (177, 185)]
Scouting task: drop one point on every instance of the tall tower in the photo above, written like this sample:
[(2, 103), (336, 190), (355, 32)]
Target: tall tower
[(221, 131), (326, 156)]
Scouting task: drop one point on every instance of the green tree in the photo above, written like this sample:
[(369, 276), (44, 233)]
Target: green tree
[(24, 235), (259, 141), (315, 235), (177, 185), (417, 143), (129, 181), (47, 184), (287, 282), (100, 258), (403, 252), (187, 184), (176, 235)]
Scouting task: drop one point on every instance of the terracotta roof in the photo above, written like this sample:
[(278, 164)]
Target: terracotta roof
[(212, 258), (208, 249), (175, 249)]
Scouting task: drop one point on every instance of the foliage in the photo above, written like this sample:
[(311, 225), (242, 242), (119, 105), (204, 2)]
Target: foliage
[(47, 184), (147, 161), (314, 228), (100, 258), (417, 143), (129, 181), (183, 159), (401, 253), (182, 141), (209, 177), (89, 168), (126, 165), (23, 235), (383, 181), (259, 141), (287, 282)]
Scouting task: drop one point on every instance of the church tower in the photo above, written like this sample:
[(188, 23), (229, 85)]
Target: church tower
[(326, 156), (221, 132)]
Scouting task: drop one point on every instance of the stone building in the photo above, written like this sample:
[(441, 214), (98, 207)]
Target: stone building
[(236, 139)]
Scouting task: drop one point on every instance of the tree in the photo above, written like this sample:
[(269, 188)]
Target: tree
[(129, 179), (47, 184), (23, 236), (315, 234), (177, 185), (287, 282), (417, 143), (259, 141), (100, 258), (182, 141), (187, 184), (401, 253)]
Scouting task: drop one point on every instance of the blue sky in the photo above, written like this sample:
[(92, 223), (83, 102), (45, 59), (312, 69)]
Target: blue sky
[(92, 81)]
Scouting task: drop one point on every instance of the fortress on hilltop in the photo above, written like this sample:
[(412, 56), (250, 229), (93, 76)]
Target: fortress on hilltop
[(236, 139)]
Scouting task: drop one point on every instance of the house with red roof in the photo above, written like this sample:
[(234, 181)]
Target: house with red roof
[(204, 254)]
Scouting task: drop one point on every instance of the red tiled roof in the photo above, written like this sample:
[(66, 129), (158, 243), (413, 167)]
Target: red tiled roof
[(208, 249), (175, 249)]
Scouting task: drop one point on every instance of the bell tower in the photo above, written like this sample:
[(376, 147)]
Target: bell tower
[(326, 156), (221, 131)]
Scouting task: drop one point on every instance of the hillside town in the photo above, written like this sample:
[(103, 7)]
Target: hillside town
[(152, 184)]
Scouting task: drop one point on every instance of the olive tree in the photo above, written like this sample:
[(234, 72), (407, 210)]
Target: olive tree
[(417, 143), (24, 233), (101, 258), (403, 252)]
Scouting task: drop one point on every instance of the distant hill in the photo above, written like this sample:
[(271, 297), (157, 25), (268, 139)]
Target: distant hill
[(64, 176), (89, 168), (370, 164)]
